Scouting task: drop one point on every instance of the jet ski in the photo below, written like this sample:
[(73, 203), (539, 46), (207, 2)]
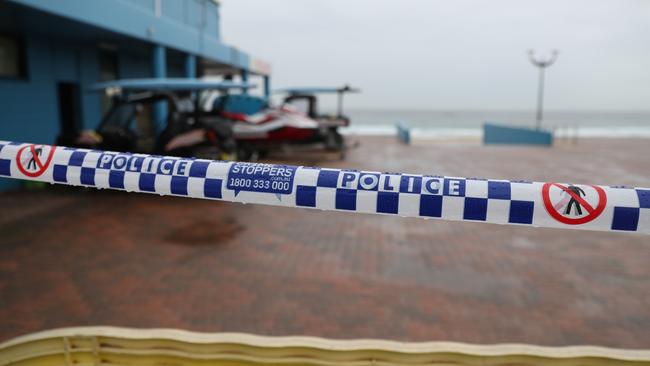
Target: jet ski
[(259, 128)]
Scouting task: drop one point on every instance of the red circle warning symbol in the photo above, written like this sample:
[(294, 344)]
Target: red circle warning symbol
[(33, 160), (572, 204)]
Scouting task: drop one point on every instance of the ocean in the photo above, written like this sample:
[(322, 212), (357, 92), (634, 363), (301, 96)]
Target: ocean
[(447, 124)]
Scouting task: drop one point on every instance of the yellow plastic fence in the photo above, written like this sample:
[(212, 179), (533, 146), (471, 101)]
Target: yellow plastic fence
[(122, 346)]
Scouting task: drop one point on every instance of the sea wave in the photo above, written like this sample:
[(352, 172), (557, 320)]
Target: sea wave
[(445, 133)]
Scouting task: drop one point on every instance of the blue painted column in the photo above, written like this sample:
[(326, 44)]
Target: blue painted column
[(244, 79), (91, 111), (190, 66), (159, 70), (267, 87)]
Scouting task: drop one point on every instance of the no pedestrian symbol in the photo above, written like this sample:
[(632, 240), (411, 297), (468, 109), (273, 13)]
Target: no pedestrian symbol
[(33, 160), (573, 204)]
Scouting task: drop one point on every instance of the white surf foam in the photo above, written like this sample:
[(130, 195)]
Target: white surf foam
[(443, 133)]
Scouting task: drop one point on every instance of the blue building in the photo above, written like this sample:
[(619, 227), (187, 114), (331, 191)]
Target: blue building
[(51, 51)]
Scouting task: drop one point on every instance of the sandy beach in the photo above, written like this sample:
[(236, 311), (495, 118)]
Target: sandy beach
[(75, 257)]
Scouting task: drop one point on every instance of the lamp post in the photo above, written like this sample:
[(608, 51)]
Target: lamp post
[(541, 63)]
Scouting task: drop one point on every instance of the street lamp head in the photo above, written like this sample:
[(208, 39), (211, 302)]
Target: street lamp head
[(533, 60), (542, 62), (554, 54)]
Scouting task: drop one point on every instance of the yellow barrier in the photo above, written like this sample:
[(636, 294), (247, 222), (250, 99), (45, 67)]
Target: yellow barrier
[(122, 346)]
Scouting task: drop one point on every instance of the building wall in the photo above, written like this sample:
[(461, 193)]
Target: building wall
[(134, 62), (197, 14), (30, 107), (186, 25), (62, 44)]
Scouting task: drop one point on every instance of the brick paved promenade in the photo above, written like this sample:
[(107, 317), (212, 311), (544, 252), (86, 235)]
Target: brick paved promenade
[(83, 257)]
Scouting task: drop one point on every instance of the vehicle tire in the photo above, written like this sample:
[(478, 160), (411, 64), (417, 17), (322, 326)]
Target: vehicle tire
[(334, 141), (244, 153)]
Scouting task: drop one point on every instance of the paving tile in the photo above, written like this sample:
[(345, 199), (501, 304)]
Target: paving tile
[(71, 257)]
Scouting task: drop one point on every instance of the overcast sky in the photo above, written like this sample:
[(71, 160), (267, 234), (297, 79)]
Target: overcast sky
[(430, 54)]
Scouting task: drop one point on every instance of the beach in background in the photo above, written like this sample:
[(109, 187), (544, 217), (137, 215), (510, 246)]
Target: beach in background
[(458, 123)]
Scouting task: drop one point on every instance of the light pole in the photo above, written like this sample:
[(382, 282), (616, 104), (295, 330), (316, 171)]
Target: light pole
[(541, 63)]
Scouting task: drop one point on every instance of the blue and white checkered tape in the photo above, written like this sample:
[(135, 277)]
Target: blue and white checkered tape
[(559, 205)]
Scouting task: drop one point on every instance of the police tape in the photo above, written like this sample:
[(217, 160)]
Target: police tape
[(558, 205)]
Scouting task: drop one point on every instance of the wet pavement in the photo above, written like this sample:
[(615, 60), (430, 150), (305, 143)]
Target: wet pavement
[(71, 257)]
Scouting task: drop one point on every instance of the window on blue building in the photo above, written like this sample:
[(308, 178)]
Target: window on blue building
[(109, 69), (108, 64), (12, 57)]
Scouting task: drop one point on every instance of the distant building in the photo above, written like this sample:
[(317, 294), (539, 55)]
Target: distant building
[(52, 51)]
